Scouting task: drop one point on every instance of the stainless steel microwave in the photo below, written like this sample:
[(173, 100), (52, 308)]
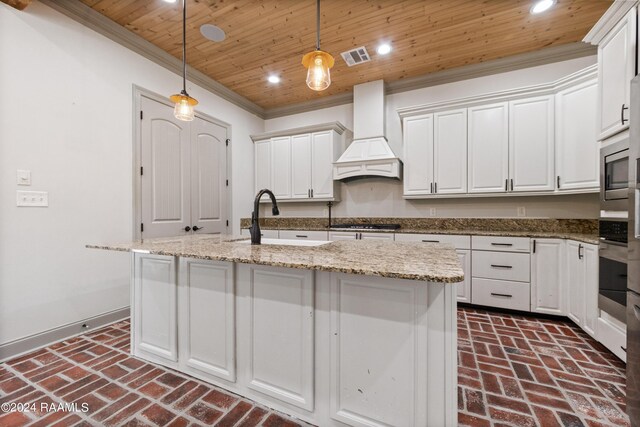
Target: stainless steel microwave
[(614, 176)]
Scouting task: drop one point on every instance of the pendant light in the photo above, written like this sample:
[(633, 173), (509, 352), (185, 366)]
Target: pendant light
[(318, 62), (184, 103)]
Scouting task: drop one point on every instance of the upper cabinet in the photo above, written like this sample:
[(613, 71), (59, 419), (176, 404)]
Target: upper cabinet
[(512, 142), (488, 148), (616, 63), (298, 165)]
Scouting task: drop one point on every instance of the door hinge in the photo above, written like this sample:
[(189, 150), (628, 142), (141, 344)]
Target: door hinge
[(227, 223), (227, 183), (227, 142), (141, 170), (141, 114), (141, 227)]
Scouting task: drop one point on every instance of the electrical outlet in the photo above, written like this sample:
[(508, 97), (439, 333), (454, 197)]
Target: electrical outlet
[(432, 211), (522, 211)]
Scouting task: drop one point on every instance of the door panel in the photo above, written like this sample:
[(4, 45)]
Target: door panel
[(321, 165), (281, 167), (165, 183), (488, 139), (450, 152), (300, 166), (208, 176), (418, 155), (262, 152)]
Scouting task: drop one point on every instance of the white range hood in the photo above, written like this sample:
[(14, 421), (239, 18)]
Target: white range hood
[(369, 154)]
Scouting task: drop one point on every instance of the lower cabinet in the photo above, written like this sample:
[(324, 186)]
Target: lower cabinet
[(267, 234), (582, 282), (357, 235), (303, 235), (548, 279)]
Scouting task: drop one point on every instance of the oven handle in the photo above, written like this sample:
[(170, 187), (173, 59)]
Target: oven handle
[(636, 311)]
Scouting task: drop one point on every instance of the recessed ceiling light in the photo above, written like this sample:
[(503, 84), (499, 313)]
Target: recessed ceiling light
[(542, 5), (170, 1), (212, 32), (273, 79), (384, 48)]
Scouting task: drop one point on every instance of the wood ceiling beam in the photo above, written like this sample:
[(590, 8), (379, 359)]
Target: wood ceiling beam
[(18, 4)]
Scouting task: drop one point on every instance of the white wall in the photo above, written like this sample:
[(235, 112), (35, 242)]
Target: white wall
[(383, 197), (66, 115)]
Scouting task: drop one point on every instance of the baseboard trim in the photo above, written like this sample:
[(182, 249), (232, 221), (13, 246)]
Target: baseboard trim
[(33, 342)]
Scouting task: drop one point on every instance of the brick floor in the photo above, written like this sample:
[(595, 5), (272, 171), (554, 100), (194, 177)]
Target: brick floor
[(512, 371)]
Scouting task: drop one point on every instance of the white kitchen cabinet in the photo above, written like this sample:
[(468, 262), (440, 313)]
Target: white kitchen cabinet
[(616, 64), (531, 144), (577, 147), (262, 158), (376, 236), (613, 334), (418, 155), (450, 152), (548, 282), (358, 235), (463, 291), (206, 317), (342, 235), (281, 167), (155, 333), (488, 142), (582, 281), (267, 234), (300, 166), (303, 235)]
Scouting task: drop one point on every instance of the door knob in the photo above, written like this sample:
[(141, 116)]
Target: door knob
[(187, 228), (196, 228)]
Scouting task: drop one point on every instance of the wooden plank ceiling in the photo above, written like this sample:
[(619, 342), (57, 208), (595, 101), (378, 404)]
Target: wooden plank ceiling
[(270, 36)]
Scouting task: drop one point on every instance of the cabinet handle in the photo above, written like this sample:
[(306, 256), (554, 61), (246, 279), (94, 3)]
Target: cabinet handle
[(558, 181), (506, 185), (622, 119), (431, 241), (301, 236), (432, 188), (501, 295), (534, 246), (580, 256), (636, 311), (312, 193), (435, 186), (501, 244), (309, 193), (511, 184), (501, 266), (623, 348)]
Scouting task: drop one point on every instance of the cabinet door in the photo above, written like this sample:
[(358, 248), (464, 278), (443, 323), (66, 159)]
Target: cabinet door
[(616, 65), (590, 261), (377, 236), (300, 166), (531, 144), (342, 235), (303, 235), (262, 160), (547, 279), (488, 139), (206, 305), (322, 165), (281, 167), (577, 147), (450, 152), (464, 287), (154, 288), (575, 282), (418, 155)]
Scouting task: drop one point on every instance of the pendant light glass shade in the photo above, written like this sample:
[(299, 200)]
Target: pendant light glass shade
[(318, 64), (184, 106)]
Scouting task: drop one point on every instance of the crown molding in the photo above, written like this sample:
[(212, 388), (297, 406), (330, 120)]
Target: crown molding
[(611, 17), (501, 65), (338, 127), (99, 23)]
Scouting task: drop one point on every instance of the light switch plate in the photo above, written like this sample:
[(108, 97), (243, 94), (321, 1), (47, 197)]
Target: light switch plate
[(522, 211), (432, 211), (23, 177), (32, 198)]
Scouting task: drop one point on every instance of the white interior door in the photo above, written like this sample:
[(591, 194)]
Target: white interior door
[(165, 180), (208, 177)]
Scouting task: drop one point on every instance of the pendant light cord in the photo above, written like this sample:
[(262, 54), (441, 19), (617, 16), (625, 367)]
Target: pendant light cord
[(184, 46), (318, 25)]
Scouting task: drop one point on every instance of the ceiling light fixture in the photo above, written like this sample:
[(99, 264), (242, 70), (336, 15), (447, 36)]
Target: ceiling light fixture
[(384, 48), (318, 62), (273, 79), (184, 103), (541, 6), (170, 1)]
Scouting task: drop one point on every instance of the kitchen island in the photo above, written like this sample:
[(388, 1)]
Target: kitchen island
[(359, 333)]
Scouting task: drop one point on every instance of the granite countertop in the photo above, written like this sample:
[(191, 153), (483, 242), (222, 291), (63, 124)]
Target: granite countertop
[(399, 260)]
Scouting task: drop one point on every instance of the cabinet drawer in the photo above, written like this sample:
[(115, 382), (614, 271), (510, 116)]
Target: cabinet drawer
[(500, 293), (499, 243), (612, 337), (459, 242), (267, 234), (342, 235), (304, 235), (501, 265)]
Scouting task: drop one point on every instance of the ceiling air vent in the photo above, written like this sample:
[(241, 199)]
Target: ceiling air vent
[(356, 56)]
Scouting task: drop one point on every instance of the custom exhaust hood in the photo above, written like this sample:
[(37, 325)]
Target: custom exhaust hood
[(369, 154)]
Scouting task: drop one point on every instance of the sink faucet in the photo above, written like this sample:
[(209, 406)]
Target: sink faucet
[(255, 226)]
